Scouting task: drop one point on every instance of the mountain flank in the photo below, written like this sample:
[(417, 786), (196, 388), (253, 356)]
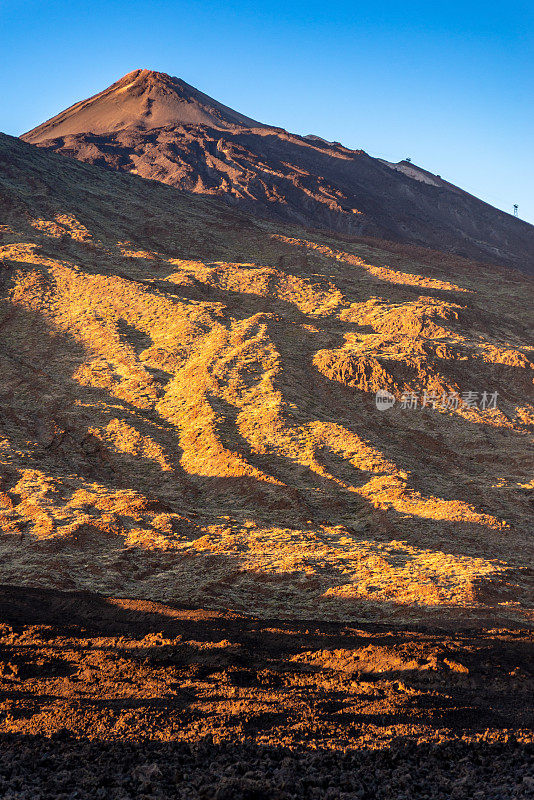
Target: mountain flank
[(187, 409)]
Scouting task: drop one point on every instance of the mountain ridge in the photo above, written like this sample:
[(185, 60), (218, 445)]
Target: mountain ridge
[(161, 128)]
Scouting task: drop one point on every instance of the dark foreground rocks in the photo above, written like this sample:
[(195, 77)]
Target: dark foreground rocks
[(63, 768)]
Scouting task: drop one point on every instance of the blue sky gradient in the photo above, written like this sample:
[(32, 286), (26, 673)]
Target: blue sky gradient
[(449, 84)]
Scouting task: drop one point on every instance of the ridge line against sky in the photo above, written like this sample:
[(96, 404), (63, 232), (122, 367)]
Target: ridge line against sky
[(448, 84)]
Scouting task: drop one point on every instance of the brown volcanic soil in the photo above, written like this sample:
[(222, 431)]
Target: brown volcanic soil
[(187, 409), (107, 698), (159, 127)]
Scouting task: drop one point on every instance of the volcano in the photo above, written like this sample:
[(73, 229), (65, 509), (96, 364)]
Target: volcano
[(159, 127)]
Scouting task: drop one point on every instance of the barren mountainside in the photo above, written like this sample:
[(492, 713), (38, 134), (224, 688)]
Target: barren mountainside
[(187, 408), (159, 127)]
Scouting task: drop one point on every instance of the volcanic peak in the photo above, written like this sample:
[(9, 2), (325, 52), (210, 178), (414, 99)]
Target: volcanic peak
[(141, 100)]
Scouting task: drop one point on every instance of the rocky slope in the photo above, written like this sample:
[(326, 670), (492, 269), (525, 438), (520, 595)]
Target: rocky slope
[(187, 408), (120, 700), (161, 128)]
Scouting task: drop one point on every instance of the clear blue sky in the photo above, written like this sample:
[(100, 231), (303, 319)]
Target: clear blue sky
[(450, 84)]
